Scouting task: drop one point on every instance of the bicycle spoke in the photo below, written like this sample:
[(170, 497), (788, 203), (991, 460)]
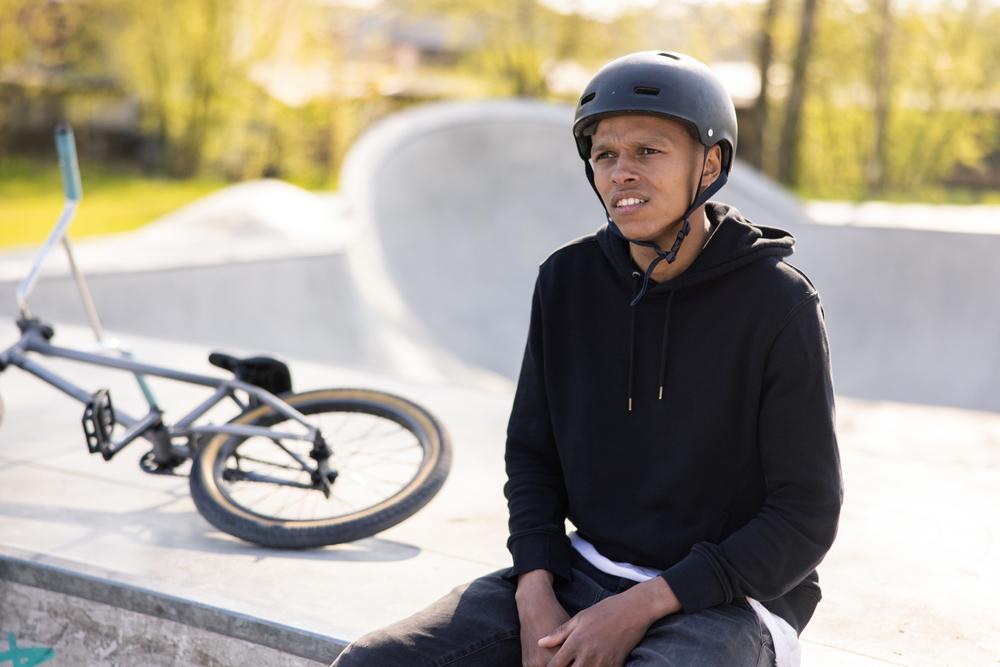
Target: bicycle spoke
[(383, 458), (305, 466), (363, 481), (245, 476), (293, 500), (398, 429), (360, 447), (273, 464)]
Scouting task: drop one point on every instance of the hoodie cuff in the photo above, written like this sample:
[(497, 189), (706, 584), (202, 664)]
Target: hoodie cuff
[(695, 583), (540, 551)]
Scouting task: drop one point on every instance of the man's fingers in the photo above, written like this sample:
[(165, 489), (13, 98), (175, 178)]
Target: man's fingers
[(563, 657)]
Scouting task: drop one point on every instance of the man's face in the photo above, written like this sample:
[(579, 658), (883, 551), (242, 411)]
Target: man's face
[(646, 169)]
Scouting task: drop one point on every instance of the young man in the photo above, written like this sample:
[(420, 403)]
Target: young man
[(675, 405)]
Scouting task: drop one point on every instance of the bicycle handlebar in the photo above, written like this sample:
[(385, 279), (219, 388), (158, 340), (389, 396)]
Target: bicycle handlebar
[(66, 147)]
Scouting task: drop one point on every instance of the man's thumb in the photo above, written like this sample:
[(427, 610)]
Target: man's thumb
[(556, 637)]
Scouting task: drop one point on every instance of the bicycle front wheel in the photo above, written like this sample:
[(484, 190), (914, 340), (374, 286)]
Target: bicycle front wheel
[(389, 454)]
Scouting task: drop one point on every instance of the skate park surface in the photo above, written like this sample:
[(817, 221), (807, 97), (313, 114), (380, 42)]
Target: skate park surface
[(417, 279)]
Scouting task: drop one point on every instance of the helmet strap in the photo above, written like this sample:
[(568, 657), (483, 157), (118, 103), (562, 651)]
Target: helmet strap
[(698, 199)]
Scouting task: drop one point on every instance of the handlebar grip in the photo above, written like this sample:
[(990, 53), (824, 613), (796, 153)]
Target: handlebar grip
[(66, 147)]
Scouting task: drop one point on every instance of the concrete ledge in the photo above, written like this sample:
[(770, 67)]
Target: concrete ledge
[(42, 596)]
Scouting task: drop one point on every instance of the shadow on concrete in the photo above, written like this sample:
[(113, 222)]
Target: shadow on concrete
[(187, 531)]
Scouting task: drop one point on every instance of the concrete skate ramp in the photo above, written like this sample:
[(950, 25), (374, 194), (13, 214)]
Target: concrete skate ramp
[(284, 306), (461, 201), (260, 265)]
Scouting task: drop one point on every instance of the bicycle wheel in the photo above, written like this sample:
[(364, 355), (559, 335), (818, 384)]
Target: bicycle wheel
[(391, 457)]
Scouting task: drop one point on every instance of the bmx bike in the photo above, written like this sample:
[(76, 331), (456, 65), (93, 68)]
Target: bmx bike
[(291, 470)]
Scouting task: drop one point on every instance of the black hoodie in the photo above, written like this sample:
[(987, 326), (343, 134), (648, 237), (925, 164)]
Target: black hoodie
[(727, 479)]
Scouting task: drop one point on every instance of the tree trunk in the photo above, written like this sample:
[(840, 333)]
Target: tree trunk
[(757, 131), (876, 171), (788, 152)]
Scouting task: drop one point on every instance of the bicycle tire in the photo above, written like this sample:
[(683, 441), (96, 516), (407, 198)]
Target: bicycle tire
[(214, 498)]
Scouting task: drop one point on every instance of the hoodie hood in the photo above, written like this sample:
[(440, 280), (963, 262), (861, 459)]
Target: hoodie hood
[(734, 242)]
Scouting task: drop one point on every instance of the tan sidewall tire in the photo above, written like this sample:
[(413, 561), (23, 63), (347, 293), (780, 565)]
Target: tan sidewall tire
[(222, 512)]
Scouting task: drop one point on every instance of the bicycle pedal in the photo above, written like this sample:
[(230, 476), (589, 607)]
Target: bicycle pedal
[(98, 423), (148, 464)]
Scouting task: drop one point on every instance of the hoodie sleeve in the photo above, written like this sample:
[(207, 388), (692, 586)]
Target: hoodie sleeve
[(797, 522), (535, 491)]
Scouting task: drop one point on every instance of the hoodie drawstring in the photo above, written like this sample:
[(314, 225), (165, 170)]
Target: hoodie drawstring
[(631, 348), (663, 350)]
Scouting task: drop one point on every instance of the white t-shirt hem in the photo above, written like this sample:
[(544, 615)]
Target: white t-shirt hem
[(787, 650)]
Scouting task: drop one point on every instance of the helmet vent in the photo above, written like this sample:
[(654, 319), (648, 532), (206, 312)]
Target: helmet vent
[(586, 98), (669, 55), (646, 90)]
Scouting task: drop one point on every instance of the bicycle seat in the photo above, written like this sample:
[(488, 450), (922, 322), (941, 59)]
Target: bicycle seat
[(226, 362), (265, 372)]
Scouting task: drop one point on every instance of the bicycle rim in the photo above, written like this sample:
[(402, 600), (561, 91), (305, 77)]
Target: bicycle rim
[(391, 457)]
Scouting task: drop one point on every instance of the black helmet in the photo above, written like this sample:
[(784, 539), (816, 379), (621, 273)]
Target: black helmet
[(664, 84), (671, 85)]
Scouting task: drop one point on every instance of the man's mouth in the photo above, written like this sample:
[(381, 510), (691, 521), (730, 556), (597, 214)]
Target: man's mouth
[(629, 204)]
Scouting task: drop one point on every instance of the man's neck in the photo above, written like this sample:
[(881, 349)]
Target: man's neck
[(689, 251)]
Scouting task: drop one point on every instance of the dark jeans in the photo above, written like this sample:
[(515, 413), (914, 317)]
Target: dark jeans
[(477, 625)]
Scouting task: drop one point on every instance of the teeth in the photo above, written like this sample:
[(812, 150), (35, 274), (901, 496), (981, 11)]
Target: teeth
[(631, 201)]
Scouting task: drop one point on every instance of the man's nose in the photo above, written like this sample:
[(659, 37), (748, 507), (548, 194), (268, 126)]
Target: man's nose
[(624, 171)]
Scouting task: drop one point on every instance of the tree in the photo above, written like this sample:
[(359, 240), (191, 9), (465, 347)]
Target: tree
[(946, 111), (788, 151), (511, 45), (49, 52), (177, 56), (13, 45), (939, 81), (881, 87), (189, 63), (754, 145)]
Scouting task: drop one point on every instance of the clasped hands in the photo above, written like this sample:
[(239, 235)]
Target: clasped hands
[(600, 636)]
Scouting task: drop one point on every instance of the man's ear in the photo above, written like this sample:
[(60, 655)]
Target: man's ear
[(713, 166)]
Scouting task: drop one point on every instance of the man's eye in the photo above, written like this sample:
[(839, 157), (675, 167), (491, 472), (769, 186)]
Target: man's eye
[(646, 150), (602, 156)]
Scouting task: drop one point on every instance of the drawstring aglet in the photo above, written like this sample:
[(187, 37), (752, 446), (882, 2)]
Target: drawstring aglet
[(630, 404), (661, 392)]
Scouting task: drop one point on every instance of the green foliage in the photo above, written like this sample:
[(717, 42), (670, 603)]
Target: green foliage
[(207, 75), (13, 39), (941, 119), (200, 69), (179, 57), (115, 200), (941, 87), (512, 46)]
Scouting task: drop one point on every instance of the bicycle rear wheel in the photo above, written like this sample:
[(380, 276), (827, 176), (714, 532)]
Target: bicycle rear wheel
[(391, 457)]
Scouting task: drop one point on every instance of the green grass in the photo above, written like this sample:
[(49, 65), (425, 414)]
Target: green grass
[(927, 195), (115, 199)]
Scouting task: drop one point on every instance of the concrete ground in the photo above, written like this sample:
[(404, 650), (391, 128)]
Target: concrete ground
[(912, 580)]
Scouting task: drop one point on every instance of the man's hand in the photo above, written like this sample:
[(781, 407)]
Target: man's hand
[(540, 614), (604, 635)]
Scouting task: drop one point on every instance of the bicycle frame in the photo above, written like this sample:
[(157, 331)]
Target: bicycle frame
[(34, 340)]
